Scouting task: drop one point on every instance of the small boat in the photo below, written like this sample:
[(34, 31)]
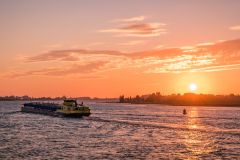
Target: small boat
[(69, 108)]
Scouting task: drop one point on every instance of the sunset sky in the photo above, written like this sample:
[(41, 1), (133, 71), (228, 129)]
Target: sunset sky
[(104, 48)]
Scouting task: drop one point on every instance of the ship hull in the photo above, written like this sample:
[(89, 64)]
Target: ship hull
[(49, 109), (77, 114), (73, 115)]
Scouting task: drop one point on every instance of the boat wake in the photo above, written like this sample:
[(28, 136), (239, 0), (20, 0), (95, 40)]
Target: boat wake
[(9, 113), (161, 126)]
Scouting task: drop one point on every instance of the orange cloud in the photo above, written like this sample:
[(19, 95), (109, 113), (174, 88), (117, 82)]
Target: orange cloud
[(218, 68), (137, 28), (220, 56), (62, 71), (67, 55)]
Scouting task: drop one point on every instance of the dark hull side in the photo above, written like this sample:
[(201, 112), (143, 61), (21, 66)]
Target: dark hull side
[(74, 115)]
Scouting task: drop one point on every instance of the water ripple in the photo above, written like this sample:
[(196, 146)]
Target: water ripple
[(120, 131)]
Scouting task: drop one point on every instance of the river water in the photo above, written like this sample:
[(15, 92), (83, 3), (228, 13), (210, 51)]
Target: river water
[(122, 131)]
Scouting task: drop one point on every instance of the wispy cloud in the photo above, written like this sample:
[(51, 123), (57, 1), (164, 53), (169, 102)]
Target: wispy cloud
[(61, 71), (137, 28), (95, 44), (235, 28), (184, 63), (131, 19), (160, 46), (218, 68), (67, 55), (220, 56), (132, 43), (206, 44)]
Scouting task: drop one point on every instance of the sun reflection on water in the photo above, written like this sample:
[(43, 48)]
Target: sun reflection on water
[(192, 119), (197, 143)]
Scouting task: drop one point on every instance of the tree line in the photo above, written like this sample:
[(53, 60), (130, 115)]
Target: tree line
[(187, 99)]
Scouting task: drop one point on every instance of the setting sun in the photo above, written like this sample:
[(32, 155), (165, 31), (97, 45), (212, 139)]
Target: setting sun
[(192, 87)]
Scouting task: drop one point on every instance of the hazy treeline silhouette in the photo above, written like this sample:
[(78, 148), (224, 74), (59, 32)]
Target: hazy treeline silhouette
[(187, 99), (28, 98)]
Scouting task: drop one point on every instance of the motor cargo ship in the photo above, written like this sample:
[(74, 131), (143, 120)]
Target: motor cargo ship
[(69, 108)]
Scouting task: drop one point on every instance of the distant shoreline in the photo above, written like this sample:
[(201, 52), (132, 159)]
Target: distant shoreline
[(27, 98), (180, 105), (117, 102), (187, 99)]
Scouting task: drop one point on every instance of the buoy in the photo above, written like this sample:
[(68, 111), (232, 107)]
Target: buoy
[(184, 111)]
